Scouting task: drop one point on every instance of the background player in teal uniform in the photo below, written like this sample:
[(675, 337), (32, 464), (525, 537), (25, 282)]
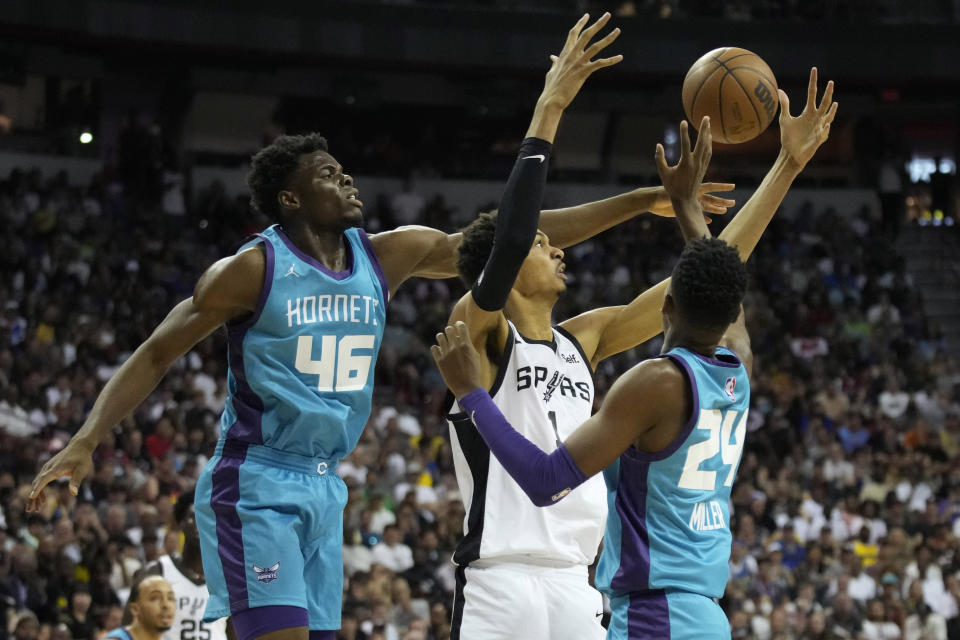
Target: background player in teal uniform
[(668, 437), (303, 304), (153, 607)]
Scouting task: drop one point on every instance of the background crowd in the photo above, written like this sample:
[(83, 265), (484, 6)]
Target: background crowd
[(845, 505)]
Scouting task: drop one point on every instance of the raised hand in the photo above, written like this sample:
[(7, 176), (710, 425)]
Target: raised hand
[(458, 360), (575, 63), (800, 137), (682, 181)]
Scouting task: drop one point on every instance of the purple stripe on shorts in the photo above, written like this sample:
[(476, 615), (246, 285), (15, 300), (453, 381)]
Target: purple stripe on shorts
[(648, 616), (225, 493), (253, 623), (375, 263), (631, 505)]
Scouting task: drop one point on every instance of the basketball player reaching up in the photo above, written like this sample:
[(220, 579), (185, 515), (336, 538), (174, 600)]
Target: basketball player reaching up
[(540, 377), (304, 307), (184, 572)]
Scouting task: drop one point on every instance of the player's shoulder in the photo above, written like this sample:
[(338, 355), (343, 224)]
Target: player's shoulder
[(655, 377), (120, 633), (233, 281)]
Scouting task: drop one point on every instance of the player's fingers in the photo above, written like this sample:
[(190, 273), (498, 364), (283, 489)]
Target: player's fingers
[(831, 114), (708, 187), (442, 342), (704, 148), (451, 332), (436, 353), (601, 44), (707, 219), (600, 63), (587, 34), (574, 33), (684, 140), (812, 89), (45, 477), (462, 333), (827, 99), (658, 157), (784, 104)]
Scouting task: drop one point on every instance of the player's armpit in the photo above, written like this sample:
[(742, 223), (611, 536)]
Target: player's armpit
[(635, 403), (608, 331), (415, 251)]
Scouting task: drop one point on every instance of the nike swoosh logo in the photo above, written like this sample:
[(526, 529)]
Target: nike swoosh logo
[(539, 156)]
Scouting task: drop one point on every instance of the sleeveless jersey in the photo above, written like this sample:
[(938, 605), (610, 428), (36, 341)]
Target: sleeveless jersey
[(300, 374), (669, 524), (191, 599), (120, 633), (545, 390)]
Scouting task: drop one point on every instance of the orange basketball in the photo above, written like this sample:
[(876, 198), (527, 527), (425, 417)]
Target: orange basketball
[(736, 88)]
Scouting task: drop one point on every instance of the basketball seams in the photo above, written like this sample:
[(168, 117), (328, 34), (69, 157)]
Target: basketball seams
[(760, 73), (696, 94), (746, 94), (698, 100)]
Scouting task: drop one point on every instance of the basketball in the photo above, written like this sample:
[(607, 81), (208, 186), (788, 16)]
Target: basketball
[(736, 88)]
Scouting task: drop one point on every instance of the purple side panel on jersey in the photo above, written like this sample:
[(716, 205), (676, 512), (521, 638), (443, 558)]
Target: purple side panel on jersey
[(648, 616), (375, 263), (225, 494), (246, 403), (631, 505)]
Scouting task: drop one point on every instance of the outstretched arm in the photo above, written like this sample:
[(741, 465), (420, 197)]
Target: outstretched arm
[(612, 330), (640, 399), (228, 289)]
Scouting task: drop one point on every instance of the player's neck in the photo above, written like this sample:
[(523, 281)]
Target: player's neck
[(191, 564), (326, 246), (138, 632), (690, 343), (530, 316)]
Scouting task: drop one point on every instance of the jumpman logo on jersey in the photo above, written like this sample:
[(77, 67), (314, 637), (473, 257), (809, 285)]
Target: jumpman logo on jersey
[(292, 272), (552, 386)]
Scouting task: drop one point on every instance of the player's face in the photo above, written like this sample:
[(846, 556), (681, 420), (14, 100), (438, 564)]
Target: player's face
[(543, 270), (156, 606), (325, 194)]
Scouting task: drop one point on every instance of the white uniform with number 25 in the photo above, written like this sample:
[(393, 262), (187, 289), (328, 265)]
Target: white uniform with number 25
[(191, 603), (522, 569)]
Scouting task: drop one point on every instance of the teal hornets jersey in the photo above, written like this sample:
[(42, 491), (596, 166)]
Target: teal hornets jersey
[(669, 522), (301, 367)]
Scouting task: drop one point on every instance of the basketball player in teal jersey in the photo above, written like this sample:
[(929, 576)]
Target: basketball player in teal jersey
[(304, 306), (670, 432)]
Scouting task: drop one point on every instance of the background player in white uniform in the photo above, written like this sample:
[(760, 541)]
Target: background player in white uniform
[(184, 572), (505, 306)]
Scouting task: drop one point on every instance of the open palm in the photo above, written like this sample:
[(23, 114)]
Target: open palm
[(801, 136)]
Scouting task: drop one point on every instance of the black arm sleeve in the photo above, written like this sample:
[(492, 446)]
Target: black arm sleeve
[(516, 225)]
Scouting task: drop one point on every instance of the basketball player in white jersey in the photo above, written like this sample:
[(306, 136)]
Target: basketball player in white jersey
[(540, 377), (184, 572)]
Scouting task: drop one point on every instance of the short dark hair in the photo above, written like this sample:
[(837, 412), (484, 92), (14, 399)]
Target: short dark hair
[(709, 282), (274, 166), (182, 505), (475, 247)]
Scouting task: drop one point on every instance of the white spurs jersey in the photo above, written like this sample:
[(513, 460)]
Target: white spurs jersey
[(191, 599), (545, 390)]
